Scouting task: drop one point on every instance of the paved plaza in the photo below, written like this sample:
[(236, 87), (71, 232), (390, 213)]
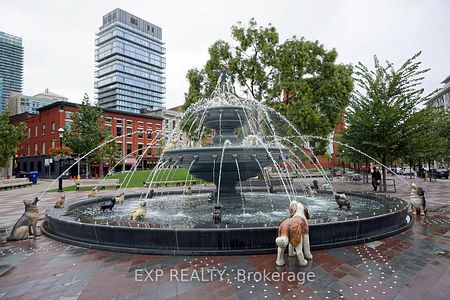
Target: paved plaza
[(414, 264)]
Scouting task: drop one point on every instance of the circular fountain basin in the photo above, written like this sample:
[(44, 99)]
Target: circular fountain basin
[(182, 225)]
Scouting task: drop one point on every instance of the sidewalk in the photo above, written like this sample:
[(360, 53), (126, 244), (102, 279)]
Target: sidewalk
[(412, 265)]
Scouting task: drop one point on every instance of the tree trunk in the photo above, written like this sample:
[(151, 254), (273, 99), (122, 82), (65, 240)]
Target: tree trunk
[(87, 168), (383, 161)]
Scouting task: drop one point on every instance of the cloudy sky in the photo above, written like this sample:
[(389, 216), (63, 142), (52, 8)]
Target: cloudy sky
[(58, 35)]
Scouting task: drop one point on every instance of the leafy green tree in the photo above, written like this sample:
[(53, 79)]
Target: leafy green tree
[(110, 153), (85, 134), (383, 119), (297, 77), (10, 137), (429, 137)]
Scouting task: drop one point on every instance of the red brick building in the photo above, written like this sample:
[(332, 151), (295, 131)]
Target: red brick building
[(333, 162), (42, 134)]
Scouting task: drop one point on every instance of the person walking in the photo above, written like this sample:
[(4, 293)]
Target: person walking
[(376, 178)]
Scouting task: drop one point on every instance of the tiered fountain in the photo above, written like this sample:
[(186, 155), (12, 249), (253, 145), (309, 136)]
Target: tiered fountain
[(180, 223)]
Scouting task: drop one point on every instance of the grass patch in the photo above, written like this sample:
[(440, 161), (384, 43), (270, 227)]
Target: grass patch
[(139, 177)]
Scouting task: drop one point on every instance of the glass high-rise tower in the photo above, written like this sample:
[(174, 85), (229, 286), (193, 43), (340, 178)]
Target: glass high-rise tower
[(130, 63), (11, 66)]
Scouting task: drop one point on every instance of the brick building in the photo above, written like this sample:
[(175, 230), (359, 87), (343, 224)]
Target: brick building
[(42, 134)]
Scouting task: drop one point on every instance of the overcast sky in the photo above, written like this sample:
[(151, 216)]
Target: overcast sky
[(58, 35)]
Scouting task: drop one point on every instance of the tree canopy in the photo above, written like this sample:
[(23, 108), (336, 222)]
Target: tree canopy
[(299, 78), (85, 133), (10, 137), (384, 119)]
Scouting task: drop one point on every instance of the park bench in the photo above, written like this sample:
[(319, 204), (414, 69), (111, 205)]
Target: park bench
[(14, 182), (170, 183), (97, 183)]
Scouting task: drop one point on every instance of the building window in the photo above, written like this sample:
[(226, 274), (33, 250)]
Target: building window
[(118, 130), (134, 21), (43, 148), (149, 134), (108, 119), (43, 129), (53, 143), (140, 149), (129, 131), (29, 132), (140, 133), (28, 150), (36, 130), (129, 149), (35, 149), (53, 127), (21, 150), (69, 124), (129, 123)]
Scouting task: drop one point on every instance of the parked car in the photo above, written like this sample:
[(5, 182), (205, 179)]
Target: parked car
[(397, 170), (440, 173), (407, 171)]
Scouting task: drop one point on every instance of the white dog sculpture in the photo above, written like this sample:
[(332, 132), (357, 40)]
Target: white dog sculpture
[(294, 232)]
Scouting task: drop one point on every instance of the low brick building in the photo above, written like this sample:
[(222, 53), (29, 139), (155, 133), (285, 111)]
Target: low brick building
[(42, 134)]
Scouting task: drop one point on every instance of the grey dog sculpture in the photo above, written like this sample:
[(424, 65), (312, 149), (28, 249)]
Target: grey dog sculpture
[(28, 221)]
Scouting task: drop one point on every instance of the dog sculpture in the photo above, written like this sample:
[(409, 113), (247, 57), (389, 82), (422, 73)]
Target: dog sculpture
[(310, 192), (327, 187), (189, 191), (108, 204), (139, 213), (93, 192), (120, 198), (60, 202), (28, 221), (315, 185), (341, 200), (217, 214), (271, 190), (418, 202), (294, 232)]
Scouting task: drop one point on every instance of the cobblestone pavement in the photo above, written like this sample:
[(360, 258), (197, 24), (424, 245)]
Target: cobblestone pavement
[(414, 264)]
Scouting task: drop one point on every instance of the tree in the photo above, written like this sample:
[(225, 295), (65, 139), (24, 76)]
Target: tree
[(10, 137), (85, 132), (111, 152), (314, 89), (383, 119)]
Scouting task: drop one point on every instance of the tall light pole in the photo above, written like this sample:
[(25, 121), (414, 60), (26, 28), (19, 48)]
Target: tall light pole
[(60, 183)]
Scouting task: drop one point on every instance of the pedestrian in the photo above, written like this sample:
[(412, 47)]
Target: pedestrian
[(376, 178)]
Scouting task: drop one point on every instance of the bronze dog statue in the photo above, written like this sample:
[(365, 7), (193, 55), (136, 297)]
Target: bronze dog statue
[(60, 202), (418, 202), (22, 229), (341, 200)]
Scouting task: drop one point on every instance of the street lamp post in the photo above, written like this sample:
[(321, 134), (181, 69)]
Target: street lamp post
[(60, 182)]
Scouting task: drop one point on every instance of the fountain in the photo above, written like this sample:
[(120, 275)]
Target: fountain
[(226, 154), (238, 215)]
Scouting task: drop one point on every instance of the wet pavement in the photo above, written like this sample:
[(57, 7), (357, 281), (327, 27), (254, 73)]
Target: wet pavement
[(414, 264)]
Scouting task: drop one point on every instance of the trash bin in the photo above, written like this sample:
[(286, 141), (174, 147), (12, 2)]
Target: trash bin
[(33, 176)]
